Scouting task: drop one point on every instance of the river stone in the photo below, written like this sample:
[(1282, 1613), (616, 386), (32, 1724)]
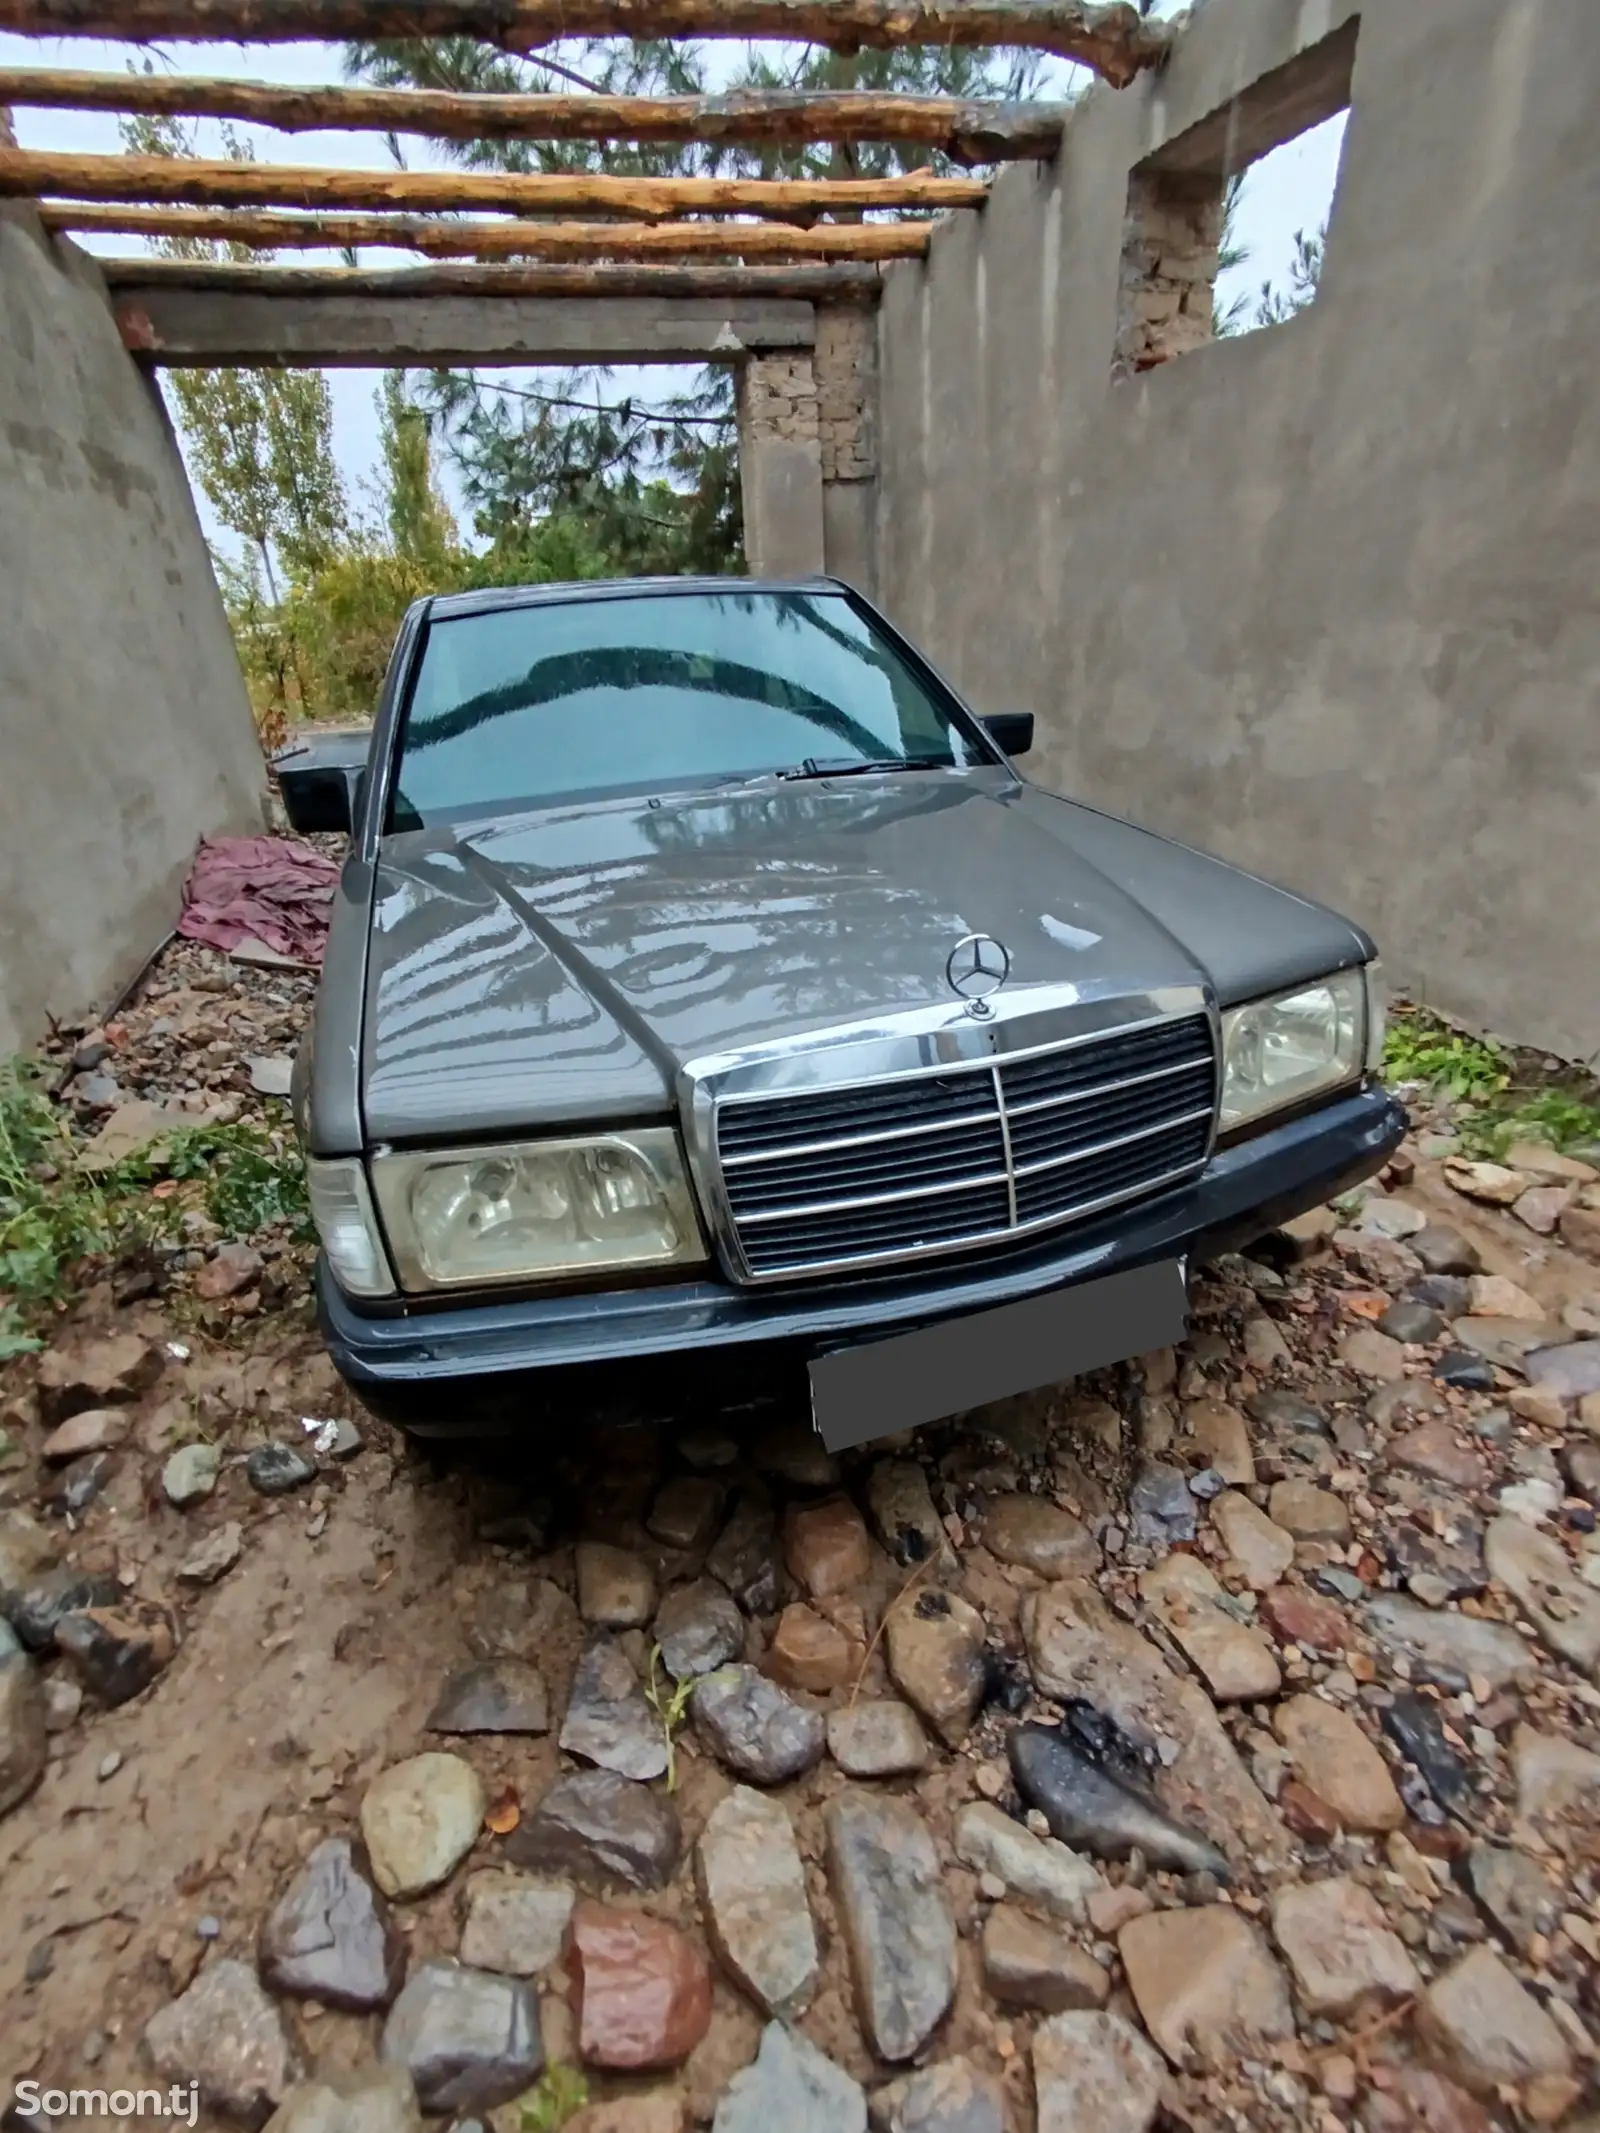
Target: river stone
[(35, 1609), (826, 1547), (1309, 1512), (278, 1469), (871, 1740), (644, 1989), (95, 1429), (609, 1719), (900, 1506), (753, 1890), (887, 1883), (600, 1829), (1491, 2026), (27, 1551), (1039, 1869), (1555, 1776), (1094, 2073), (1026, 1964), (1572, 1371), (468, 2038), (744, 1555), (1219, 1437), (215, 1556), (685, 1511), (935, 1644), (373, 2099), (1032, 1533), (953, 2096), (1445, 1251), (331, 1937), (1450, 1648), (1203, 1978), (516, 1923), (96, 1373), (1536, 1572), (808, 1652), (226, 2036), (1160, 1506), (616, 1587), (1077, 1647), (790, 2087), (117, 1652), (1341, 1948), (23, 1731), (698, 1628), (1514, 1894), (1235, 1661), (496, 1696), (420, 1818), (755, 1729), (1411, 1322), (1329, 1751), (1262, 1550)]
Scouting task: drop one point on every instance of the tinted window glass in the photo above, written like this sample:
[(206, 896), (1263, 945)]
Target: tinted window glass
[(533, 704)]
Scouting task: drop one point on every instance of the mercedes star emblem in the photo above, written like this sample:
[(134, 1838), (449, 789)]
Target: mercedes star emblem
[(978, 965)]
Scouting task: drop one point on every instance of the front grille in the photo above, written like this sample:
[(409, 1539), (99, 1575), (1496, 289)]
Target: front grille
[(967, 1155)]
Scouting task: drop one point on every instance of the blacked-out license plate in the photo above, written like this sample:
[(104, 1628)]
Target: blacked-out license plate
[(877, 1387)]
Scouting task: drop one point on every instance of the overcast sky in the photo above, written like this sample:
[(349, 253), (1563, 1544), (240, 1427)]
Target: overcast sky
[(1284, 193)]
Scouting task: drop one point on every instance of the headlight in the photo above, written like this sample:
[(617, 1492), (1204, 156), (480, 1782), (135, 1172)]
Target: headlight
[(535, 1210), (341, 1207), (1296, 1045)]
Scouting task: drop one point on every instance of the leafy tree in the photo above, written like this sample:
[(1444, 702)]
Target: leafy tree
[(655, 485), (260, 442)]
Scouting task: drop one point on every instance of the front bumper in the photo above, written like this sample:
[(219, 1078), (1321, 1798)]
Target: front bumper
[(1244, 1191)]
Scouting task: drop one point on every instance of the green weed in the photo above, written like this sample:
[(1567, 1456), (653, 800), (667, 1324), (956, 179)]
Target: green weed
[(1419, 1048), (559, 2091), (55, 1215)]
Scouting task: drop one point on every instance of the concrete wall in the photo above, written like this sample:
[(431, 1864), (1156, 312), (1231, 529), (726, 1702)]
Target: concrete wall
[(125, 732), (1324, 599)]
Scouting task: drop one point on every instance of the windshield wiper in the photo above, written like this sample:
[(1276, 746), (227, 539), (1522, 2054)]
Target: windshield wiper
[(854, 767)]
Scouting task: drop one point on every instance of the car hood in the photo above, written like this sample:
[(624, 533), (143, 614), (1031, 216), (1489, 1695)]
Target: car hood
[(563, 966)]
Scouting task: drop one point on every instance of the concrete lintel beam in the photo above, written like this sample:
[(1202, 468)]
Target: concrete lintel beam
[(175, 327)]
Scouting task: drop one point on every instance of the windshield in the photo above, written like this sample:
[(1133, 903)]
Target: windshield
[(524, 706)]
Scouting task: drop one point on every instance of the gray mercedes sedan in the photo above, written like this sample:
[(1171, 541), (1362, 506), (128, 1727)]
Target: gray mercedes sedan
[(705, 982)]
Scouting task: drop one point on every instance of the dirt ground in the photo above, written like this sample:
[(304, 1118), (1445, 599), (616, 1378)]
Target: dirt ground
[(163, 1830)]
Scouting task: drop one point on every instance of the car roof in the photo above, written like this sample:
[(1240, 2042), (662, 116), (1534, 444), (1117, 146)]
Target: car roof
[(492, 597)]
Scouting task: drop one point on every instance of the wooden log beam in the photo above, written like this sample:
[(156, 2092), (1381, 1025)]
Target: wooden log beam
[(202, 183), (968, 132), (633, 315), (809, 283), (1112, 39), (451, 239)]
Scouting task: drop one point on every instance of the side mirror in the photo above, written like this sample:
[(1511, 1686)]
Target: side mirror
[(320, 780), (1011, 731)]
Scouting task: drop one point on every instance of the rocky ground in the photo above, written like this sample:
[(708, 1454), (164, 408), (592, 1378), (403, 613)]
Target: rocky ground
[(1213, 1743)]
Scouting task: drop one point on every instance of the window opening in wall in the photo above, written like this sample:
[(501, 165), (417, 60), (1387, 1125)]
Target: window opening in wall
[(1274, 227), (1227, 222)]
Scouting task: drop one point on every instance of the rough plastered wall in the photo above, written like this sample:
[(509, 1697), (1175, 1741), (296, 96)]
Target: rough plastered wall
[(1326, 598), (125, 732)]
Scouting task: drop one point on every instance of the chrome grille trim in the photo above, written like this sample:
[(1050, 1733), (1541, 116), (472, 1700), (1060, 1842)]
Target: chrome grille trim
[(858, 1215)]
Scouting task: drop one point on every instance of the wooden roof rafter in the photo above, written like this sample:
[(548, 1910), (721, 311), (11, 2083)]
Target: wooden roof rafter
[(198, 182), (968, 131), (1113, 39), (805, 279), (452, 238)]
